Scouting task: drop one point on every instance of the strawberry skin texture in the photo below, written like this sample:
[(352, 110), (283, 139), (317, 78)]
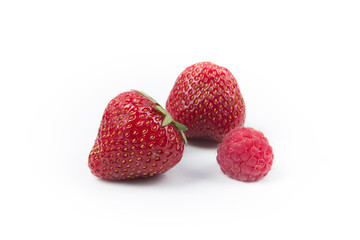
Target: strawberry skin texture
[(206, 98), (131, 141), (245, 155)]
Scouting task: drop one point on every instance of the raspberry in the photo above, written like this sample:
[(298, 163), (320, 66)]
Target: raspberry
[(245, 154)]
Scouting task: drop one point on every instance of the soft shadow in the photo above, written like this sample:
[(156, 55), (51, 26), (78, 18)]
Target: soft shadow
[(203, 143), (139, 181)]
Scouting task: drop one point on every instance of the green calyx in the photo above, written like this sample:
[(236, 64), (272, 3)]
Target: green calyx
[(167, 117)]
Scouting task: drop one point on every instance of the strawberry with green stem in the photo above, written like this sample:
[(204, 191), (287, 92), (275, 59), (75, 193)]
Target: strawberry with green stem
[(136, 138)]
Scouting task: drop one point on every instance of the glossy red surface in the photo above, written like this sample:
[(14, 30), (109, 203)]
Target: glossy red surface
[(206, 98), (132, 143)]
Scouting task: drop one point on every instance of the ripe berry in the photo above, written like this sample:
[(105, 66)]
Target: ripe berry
[(245, 155), (136, 138), (206, 98)]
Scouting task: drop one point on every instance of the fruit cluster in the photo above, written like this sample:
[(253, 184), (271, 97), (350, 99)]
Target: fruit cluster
[(139, 138)]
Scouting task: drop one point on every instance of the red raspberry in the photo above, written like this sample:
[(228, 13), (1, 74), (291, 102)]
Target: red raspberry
[(245, 154)]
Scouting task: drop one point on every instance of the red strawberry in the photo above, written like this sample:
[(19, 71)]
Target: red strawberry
[(206, 98), (136, 138)]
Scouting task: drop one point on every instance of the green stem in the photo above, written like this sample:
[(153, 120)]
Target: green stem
[(167, 117)]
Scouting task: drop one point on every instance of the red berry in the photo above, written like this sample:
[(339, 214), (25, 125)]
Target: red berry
[(206, 98), (136, 138), (245, 155)]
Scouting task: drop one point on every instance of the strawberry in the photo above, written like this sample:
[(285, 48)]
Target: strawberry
[(206, 98), (136, 138)]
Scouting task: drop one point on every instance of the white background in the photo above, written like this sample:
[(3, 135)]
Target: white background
[(297, 64)]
